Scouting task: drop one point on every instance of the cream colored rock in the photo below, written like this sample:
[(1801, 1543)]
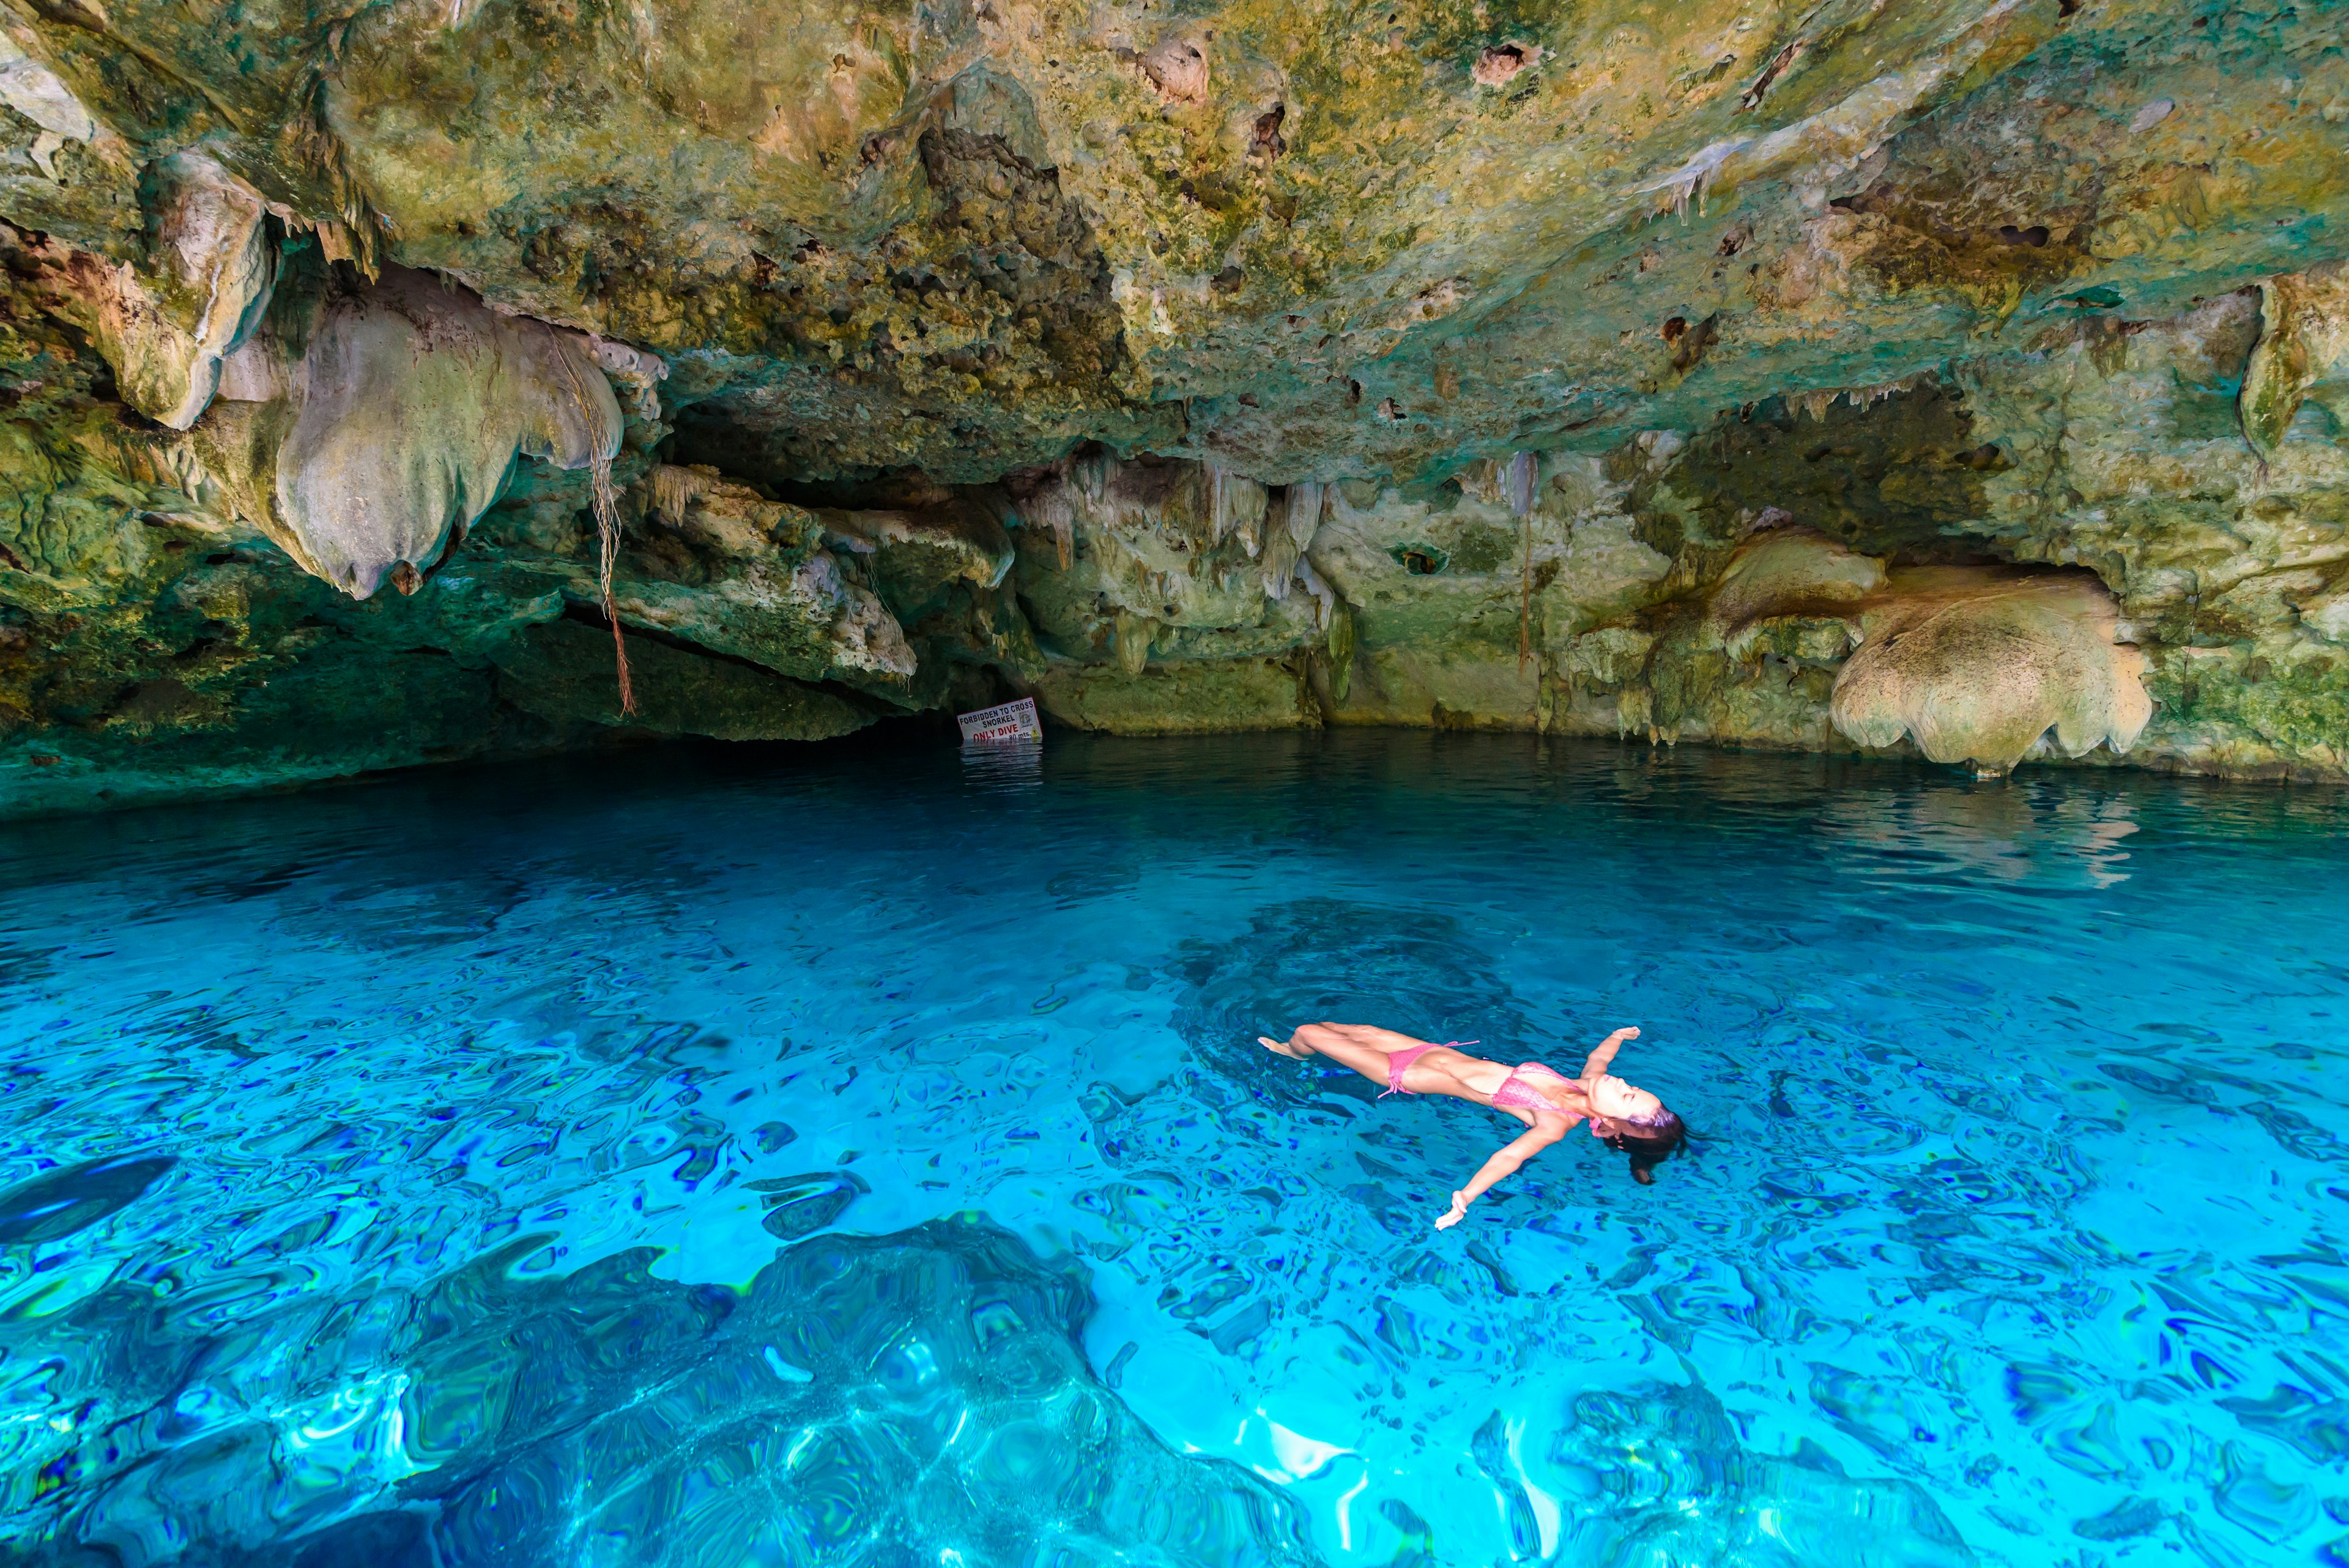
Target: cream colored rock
[(927, 560), (1178, 66), (167, 327), (1978, 664), (1840, 135), (738, 574), (361, 431), (639, 370), (1287, 541), (415, 400), (2326, 614), (1189, 546), (967, 545), (1785, 572), (864, 637), (1611, 656), (1235, 508), (41, 96)]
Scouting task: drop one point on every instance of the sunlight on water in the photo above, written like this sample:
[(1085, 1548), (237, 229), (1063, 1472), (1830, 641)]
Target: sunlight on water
[(847, 1156)]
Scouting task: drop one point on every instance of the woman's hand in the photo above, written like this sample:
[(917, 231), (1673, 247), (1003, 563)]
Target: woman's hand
[(1629, 1032), (1458, 1212)]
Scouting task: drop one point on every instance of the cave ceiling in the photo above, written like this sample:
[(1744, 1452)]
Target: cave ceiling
[(1306, 239), (1955, 378)]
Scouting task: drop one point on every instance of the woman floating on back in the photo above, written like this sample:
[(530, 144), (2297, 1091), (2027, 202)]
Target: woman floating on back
[(1549, 1103)]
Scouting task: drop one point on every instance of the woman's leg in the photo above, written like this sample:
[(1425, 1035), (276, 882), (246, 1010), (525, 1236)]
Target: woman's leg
[(1299, 1044), (1365, 1050)]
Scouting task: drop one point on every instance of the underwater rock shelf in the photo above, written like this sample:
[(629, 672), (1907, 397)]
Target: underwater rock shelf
[(927, 1389), (1968, 380)]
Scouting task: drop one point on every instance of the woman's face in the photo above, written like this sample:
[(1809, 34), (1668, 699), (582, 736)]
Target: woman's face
[(1616, 1100)]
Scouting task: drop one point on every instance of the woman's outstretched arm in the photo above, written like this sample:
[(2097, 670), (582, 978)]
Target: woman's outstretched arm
[(1598, 1059), (1503, 1163)]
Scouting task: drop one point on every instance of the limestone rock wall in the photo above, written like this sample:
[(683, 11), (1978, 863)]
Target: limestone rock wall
[(1964, 379)]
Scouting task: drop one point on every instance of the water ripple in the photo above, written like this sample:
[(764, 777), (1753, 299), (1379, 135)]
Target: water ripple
[(574, 1163)]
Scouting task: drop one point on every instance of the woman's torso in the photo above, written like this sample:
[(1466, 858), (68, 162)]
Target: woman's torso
[(1446, 1071)]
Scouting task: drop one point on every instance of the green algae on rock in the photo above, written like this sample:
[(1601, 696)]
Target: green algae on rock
[(1962, 375)]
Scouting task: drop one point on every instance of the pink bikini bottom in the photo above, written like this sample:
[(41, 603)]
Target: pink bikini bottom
[(1400, 1060)]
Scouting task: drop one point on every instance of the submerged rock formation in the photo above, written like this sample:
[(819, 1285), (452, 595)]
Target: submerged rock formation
[(921, 1397), (1969, 381)]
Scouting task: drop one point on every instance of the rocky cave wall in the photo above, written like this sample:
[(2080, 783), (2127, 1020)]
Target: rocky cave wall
[(1946, 378)]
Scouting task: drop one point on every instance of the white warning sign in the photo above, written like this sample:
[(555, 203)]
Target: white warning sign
[(1005, 721)]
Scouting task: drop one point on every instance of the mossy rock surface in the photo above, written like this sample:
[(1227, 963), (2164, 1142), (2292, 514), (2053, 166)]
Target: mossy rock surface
[(1261, 366), (563, 671)]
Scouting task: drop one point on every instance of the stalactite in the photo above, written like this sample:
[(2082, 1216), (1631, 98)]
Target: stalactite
[(1285, 546), (1324, 596), (672, 490), (1305, 512), (1236, 505)]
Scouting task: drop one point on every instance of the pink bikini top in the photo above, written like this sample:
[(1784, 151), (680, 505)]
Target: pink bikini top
[(1517, 1090)]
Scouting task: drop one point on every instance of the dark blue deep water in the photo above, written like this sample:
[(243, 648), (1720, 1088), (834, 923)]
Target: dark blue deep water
[(860, 1155)]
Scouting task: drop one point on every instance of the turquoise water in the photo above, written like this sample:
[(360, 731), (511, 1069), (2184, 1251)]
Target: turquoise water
[(860, 1156)]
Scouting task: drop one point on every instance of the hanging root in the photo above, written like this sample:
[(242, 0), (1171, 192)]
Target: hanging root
[(606, 503), (607, 522), (607, 530)]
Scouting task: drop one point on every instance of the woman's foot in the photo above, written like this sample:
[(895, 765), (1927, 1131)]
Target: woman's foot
[(1281, 1047)]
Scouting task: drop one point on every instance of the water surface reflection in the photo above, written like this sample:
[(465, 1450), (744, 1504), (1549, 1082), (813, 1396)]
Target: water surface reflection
[(857, 1154)]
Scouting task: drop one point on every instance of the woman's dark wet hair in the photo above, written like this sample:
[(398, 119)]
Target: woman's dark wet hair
[(1650, 1146)]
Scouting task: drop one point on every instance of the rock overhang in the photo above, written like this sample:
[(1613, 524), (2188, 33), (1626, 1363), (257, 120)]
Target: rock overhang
[(1309, 277)]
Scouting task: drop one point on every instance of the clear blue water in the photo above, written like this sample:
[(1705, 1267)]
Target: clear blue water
[(860, 1156)]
